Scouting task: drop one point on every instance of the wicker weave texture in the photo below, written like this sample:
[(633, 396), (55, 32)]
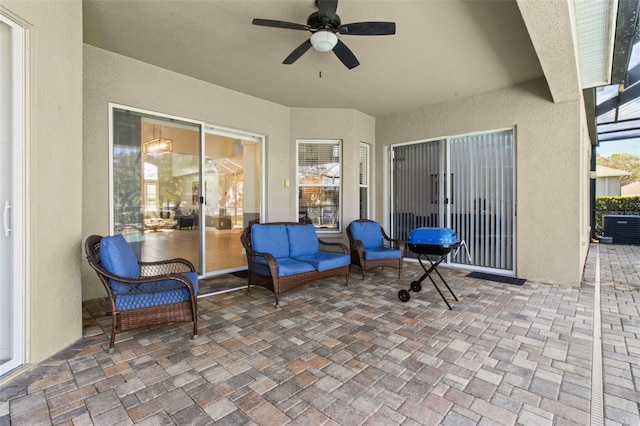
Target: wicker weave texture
[(184, 311), (281, 285), (163, 314)]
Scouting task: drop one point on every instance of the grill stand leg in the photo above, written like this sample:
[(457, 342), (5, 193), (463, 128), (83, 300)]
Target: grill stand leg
[(443, 280), (434, 266)]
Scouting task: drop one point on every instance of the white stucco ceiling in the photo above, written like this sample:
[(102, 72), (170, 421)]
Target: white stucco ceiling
[(442, 50)]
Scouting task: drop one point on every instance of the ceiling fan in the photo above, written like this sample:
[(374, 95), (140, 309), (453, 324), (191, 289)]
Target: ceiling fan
[(324, 25)]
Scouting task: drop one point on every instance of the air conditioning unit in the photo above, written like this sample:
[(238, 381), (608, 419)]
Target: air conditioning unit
[(624, 229)]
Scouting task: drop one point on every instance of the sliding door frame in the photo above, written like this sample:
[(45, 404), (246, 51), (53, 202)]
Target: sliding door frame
[(449, 195), (16, 210), (444, 190), (204, 127)]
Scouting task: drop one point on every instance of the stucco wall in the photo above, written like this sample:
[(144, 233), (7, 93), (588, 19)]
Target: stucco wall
[(54, 170), (550, 157), (109, 77)]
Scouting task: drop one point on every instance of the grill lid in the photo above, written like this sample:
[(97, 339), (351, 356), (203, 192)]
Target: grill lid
[(432, 237)]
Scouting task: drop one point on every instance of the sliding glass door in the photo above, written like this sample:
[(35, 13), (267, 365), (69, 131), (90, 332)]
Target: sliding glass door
[(155, 162), (466, 183), (417, 187), (481, 191), (181, 188), (231, 195)]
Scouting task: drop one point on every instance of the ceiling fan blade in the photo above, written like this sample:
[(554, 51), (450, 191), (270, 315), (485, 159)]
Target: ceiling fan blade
[(368, 28), (281, 24), (298, 51), (345, 55), (327, 8)]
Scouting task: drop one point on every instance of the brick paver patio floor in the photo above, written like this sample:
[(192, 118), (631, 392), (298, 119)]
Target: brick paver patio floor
[(331, 354)]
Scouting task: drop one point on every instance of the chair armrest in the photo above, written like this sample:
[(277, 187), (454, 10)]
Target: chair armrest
[(399, 244), (267, 256), (163, 267), (396, 244), (341, 246), (271, 261), (141, 280), (357, 245)]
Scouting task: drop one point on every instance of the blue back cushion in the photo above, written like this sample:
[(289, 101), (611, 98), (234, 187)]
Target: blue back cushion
[(118, 258), (367, 232), (270, 239), (303, 240)]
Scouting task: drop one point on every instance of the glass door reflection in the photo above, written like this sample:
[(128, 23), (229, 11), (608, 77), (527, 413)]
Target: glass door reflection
[(183, 189)]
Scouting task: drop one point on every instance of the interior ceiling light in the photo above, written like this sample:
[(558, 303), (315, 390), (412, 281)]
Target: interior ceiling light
[(158, 145), (324, 41)]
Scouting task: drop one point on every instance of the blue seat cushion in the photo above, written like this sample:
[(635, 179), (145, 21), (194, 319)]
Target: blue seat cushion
[(286, 267), (382, 253), (322, 261), (118, 258), (303, 240), (271, 239), (368, 232), (156, 293)]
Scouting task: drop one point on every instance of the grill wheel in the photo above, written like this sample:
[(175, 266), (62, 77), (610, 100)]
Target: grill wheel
[(404, 295)]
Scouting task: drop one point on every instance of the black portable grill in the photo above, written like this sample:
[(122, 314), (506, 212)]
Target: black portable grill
[(432, 244)]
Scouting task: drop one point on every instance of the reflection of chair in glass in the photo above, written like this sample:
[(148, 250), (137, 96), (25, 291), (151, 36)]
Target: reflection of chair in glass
[(371, 247), (303, 217), (143, 293), (314, 216), (185, 222), (329, 216)]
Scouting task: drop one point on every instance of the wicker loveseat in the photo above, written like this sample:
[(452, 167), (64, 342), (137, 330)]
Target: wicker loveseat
[(143, 293), (284, 255)]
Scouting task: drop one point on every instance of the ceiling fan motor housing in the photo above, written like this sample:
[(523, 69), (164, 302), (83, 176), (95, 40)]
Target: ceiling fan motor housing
[(317, 22)]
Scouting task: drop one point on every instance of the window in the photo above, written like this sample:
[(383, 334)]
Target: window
[(151, 187), (364, 181), (318, 176)]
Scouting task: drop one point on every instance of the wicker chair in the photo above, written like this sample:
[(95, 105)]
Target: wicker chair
[(371, 247), (143, 293)]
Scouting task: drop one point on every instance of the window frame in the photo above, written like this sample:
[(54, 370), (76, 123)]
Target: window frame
[(14, 120), (334, 209), (364, 175)]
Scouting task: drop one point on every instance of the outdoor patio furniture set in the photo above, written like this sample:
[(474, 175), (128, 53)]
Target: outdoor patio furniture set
[(280, 257)]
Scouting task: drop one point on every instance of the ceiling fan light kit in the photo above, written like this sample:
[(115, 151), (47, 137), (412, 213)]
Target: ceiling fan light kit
[(323, 25), (324, 41)]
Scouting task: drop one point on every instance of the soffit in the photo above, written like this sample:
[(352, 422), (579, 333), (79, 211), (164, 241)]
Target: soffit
[(442, 50), (549, 25)]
